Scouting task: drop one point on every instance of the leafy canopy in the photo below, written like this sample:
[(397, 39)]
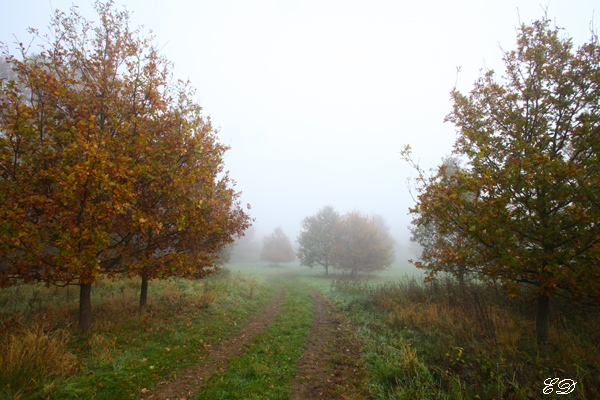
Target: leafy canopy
[(277, 248), (317, 238), (525, 210), (107, 166), (359, 245)]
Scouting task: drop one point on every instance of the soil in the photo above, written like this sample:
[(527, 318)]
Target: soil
[(191, 381), (329, 367)]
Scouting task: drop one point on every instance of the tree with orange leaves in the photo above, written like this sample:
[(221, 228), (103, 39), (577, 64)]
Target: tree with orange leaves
[(277, 248), (107, 168), (359, 246), (525, 209)]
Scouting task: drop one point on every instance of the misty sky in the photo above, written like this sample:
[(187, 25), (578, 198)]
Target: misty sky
[(317, 98)]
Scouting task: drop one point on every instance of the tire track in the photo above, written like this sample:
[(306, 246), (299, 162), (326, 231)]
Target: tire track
[(191, 380), (330, 363)]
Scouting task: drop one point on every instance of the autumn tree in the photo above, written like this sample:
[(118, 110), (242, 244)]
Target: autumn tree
[(528, 203), (247, 247), (359, 246), (277, 248), (433, 241), (317, 238), (195, 212), (384, 232), (107, 167)]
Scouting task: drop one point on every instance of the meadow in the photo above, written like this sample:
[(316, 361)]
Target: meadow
[(393, 337)]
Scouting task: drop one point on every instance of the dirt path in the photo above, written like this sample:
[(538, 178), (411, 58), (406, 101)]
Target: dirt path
[(328, 369), (191, 380)]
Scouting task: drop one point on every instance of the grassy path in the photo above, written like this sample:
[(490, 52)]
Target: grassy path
[(266, 369), (191, 380), (329, 367), (300, 347), (224, 337)]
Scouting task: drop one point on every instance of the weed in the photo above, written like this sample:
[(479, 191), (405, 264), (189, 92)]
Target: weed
[(32, 356), (43, 354), (466, 340)]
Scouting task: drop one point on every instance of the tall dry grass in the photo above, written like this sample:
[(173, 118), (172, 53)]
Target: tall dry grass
[(472, 340), (39, 336), (32, 355)]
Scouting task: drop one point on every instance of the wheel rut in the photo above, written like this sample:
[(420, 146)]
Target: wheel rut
[(191, 380), (329, 367)]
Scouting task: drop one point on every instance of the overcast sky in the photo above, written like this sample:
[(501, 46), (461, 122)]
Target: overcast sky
[(317, 98)]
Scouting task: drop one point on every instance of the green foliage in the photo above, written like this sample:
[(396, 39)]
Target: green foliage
[(525, 210), (359, 246), (317, 238)]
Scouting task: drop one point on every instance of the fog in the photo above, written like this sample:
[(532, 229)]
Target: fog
[(317, 98)]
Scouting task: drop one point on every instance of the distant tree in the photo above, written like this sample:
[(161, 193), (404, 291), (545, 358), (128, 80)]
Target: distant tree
[(223, 256), (528, 204), (317, 238), (277, 248), (247, 247), (384, 231), (359, 246), (435, 242)]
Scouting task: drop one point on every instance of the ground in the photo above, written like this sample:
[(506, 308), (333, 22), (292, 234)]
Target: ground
[(328, 367)]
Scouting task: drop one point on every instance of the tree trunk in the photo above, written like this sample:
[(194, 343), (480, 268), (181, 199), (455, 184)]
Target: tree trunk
[(327, 270), (85, 306), (461, 276), (542, 320), (144, 293)]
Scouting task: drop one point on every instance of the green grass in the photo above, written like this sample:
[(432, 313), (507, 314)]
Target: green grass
[(446, 342), (267, 368), (316, 278), (421, 341), (126, 351)]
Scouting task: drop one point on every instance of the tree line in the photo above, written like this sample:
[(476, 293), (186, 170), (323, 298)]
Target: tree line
[(353, 242), (108, 169)]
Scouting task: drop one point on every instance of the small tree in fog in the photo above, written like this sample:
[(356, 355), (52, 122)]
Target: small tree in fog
[(359, 246), (433, 241), (277, 248), (317, 238), (247, 247), (384, 232), (223, 256)]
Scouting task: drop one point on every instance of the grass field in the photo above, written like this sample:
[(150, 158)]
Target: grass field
[(43, 354), (403, 339)]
